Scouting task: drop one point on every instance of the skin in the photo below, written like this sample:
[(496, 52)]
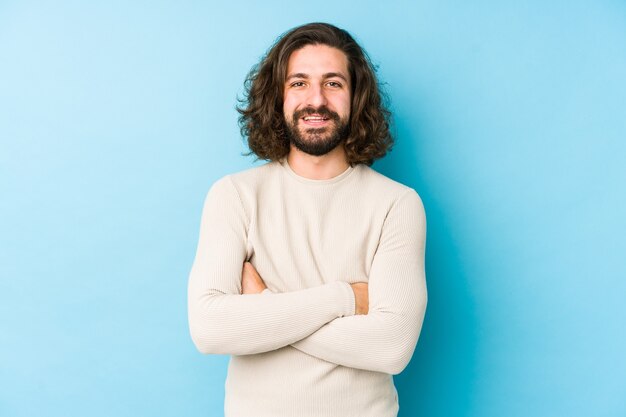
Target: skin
[(317, 75)]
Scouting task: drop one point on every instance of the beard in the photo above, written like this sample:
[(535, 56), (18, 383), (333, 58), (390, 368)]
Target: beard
[(317, 141)]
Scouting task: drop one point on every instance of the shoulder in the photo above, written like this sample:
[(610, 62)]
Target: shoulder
[(244, 187), (252, 179), (255, 176), (405, 214), (388, 189), (248, 179)]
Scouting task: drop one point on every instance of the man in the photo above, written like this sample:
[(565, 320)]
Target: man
[(310, 269)]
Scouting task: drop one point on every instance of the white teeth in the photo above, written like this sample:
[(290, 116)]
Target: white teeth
[(316, 118)]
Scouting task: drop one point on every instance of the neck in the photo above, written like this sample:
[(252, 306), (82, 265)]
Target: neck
[(322, 167)]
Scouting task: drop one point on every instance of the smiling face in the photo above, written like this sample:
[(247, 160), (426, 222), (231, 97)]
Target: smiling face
[(316, 101)]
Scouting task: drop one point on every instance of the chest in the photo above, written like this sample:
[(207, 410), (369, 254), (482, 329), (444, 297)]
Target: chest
[(311, 239)]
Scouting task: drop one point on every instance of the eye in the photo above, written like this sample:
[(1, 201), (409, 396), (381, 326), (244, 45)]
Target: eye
[(297, 84), (334, 84)]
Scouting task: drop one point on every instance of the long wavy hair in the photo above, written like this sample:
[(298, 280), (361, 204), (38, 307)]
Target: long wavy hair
[(261, 117)]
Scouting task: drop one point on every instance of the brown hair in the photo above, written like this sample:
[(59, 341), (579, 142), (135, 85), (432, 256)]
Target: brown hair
[(261, 117)]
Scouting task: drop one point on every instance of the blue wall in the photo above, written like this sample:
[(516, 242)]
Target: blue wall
[(510, 118)]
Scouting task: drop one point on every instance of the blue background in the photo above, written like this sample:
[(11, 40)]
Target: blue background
[(510, 120)]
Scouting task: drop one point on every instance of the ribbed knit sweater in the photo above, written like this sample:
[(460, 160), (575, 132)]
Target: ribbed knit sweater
[(298, 349)]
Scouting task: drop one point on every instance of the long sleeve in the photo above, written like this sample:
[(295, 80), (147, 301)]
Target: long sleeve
[(385, 338), (223, 321)]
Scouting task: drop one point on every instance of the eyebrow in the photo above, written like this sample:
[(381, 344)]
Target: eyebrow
[(325, 76)]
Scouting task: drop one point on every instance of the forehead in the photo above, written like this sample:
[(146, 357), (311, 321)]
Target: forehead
[(316, 60)]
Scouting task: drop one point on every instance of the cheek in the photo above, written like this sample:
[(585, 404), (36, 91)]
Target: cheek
[(288, 106), (344, 103), (346, 107)]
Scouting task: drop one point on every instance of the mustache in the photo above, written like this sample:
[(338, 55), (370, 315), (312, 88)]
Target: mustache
[(322, 111)]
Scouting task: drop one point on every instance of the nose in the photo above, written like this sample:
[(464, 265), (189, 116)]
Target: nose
[(316, 96)]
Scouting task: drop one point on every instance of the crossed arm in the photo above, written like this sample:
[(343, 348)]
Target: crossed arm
[(252, 283), (229, 316)]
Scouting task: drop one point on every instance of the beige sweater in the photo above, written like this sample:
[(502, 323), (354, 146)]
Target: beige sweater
[(298, 349)]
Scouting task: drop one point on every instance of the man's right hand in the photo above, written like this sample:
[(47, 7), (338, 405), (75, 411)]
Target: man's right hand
[(361, 297), (251, 281)]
